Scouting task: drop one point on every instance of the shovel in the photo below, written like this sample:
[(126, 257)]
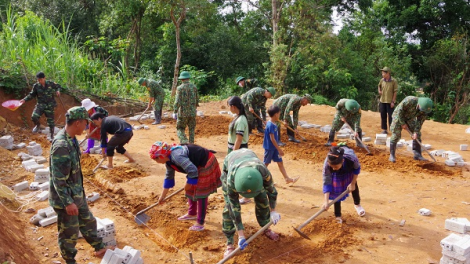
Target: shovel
[(141, 218), (290, 128), (83, 140), (421, 145), (248, 241), (360, 141), (317, 214), (99, 164), (138, 119)]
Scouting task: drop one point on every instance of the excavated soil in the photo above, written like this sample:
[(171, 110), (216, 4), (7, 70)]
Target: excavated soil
[(390, 193)]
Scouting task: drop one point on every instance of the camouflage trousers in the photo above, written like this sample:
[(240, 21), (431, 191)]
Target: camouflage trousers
[(68, 227), (181, 125), (395, 128), (262, 212), (253, 121), (338, 123), (47, 111)]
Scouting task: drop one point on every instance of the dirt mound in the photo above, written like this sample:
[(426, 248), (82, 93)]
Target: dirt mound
[(13, 245), (212, 125)]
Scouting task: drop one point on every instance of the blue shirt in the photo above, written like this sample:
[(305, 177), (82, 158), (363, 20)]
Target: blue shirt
[(270, 128)]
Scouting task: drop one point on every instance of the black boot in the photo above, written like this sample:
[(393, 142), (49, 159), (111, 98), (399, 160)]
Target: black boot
[(393, 148), (417, 151), (279, 143), (331, 138), (51, 129), (260, 126), (37, 125)]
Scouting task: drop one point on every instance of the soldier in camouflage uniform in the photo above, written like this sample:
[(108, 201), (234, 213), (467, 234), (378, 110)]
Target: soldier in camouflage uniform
[(157, 96), (254, 101), (347, 110), (186, 102), (66, 192), (244, 174), (288, 103), (246, 84), (44, 91), (410, 115)]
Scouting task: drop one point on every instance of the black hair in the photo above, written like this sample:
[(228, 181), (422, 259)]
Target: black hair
[(335, 156), (237, 102), (97, 116), (273, 109), (40, 75)]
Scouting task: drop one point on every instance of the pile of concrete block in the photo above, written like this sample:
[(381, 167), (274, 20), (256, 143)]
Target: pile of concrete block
[(463, 147), (92, 197), (455, 249), (453, 158), (34, 149), (47, 131), (6, 142), (400, 143), (127, 255), (19, 146), (42, 175), (326, 129), (380, 139), (307, 126), (459, 225), (44, 217), (106, 231), (200, 113)]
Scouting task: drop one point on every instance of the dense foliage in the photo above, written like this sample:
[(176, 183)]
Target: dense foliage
[(292, 45)]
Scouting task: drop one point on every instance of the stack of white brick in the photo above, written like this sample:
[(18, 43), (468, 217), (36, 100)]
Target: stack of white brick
[(400, 143), (127, 255), (42, 175), (453, 158), (106, 231), (459, 225), (380, 139), (19, 146), (6, 142), (24, 156), (34, 149), (455, 249), (326, 129), (44, 217), (40, 159)]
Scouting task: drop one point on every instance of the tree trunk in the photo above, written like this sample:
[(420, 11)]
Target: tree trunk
[(177, 23)]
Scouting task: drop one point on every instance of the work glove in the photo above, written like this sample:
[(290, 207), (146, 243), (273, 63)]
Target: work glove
[(275, 217), (175, 116), (242, 243)]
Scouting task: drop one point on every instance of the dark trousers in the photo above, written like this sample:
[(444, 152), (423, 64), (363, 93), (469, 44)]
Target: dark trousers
[(385, 110), (117, 142), (356, 198)]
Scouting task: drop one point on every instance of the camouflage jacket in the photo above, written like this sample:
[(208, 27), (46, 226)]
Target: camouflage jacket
[(287, 103), (45, 95), (341, 111), (156, 92), (99, 109), (66, 181), (239, 159), (407, 112), (255, 99), (187, 100)]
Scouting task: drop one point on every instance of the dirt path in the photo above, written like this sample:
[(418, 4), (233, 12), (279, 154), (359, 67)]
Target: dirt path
[(390, 193)]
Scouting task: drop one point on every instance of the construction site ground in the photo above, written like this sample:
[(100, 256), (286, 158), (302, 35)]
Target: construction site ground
[(391, 193)]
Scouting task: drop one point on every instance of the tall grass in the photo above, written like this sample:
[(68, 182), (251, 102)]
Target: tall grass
[(29, 45)]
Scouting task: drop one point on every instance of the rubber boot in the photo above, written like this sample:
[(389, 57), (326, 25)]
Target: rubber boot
[(358, 143), (90, 144), (279, 143), (417, 151), (331, 138), (37, 125), (51, 129), (158, 118), (260, 126), (393, 148), (293, 139)]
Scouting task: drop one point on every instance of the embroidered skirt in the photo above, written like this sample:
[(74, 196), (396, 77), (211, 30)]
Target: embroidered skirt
[(208, 179)]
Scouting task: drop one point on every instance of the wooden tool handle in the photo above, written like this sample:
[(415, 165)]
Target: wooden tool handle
[(155, 204)]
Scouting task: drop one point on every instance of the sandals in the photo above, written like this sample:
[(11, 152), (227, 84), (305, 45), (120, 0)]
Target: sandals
[(196, 228), (128, 161), (360, 211), (230, 249), (271, 235), (187, 217), (292, 180), (339, 220)]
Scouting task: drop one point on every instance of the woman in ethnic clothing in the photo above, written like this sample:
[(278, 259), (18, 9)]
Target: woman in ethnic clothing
[(202, 179)]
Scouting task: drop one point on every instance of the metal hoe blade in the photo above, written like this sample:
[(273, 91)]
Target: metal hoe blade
[(302, 234), (141, 218)]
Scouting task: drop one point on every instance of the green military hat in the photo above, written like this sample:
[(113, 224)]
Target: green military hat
[(184, 75), (77, 113), (308, 97), (248, 182), (272, 91), (425, 104), (239, 78), (386, 69), (142, 80), (352, 105)]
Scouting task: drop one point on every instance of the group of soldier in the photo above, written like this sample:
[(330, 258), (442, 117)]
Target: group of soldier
[(243, 173)]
